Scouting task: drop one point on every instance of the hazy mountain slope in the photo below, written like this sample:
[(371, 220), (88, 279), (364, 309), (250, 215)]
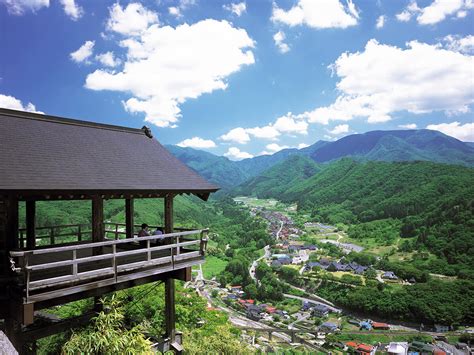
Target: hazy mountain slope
[(219, 170), (280, 177), (254, 166), (401, 145)]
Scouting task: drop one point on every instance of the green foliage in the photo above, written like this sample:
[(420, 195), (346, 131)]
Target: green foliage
[(431, 302), (107, 335), (430, 203), (275, 180)]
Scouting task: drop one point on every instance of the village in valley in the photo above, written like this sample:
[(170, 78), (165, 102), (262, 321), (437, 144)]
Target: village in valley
[(312, 253)]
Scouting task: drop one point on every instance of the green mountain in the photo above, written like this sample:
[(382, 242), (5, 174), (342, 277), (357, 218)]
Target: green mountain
[(219, 170), (280, 177), (400, 145)]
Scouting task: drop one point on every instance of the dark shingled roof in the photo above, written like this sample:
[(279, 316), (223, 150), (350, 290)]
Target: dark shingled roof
[(46, 153)]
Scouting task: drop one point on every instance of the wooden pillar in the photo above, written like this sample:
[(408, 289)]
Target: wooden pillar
[(30, 224), (97, 234), (97, 219), (129, 211), (170, 316), (12, 224), (169, 213)]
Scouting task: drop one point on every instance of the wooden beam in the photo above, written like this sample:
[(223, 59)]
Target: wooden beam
[(129, 211), (30, 224), (97, 219)]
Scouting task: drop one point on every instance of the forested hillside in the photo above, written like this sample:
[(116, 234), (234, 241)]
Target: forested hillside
[(279, 178), (400, 145), (433, 202)]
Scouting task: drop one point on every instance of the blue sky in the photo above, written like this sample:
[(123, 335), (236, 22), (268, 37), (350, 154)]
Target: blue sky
[(243, 78)]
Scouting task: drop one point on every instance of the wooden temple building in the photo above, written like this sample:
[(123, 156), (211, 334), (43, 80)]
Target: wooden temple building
[(46, 158)]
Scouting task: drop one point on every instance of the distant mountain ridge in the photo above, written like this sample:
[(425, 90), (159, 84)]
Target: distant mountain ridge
[(395, 145), (398, 145)]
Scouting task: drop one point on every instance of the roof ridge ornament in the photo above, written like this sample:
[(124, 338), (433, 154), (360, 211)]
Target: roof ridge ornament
[(147, 131)]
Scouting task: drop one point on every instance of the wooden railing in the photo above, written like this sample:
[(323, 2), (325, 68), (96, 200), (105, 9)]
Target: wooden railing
[(72, 233), (58, 234), (117, 230), (49, 272)]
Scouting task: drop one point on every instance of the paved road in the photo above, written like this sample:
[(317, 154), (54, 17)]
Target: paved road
[(255, 262), (278, 233), (312, 300)]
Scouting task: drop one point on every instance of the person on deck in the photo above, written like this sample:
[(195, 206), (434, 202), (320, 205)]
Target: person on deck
[(144, 231)]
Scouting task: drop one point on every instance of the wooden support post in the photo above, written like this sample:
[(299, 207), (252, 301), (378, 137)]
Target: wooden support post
[(170, 316), (169, 213), (12, 224), (129, 211), (97, 233), (97, 219), (30, 224)]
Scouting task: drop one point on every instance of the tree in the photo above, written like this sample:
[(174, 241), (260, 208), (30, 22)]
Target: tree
[(107, 334)]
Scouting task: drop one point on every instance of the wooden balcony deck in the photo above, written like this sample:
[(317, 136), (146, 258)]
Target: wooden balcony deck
[(55, 272)]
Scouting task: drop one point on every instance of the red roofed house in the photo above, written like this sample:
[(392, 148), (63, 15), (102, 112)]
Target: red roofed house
[(380, 326), (366, 349), (270, 310)]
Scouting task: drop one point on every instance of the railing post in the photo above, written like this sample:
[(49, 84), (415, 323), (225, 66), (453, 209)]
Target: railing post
[(51, 236), (114, 260), (177, 245), (22, 239), (74, 266), (148, 244), (79, 233), (203, 243), (25, 265), (116, 231)]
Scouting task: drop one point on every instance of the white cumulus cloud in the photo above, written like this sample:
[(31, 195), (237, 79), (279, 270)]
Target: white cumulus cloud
[(19, 7), (408, 126), (460, 44), (339, 129), (318, 14), (197, 142), (265, 132), (380, 22), (383, 79), (10, 102), (236, 135), (302, 145), (274, 147), (132, 20), (238, 8), (84, 52), (436, 12), (177, 11), (235, 153), (167, 66), (108, 59), (279, 39), (284, 124), (71, 9), (463, 132)]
